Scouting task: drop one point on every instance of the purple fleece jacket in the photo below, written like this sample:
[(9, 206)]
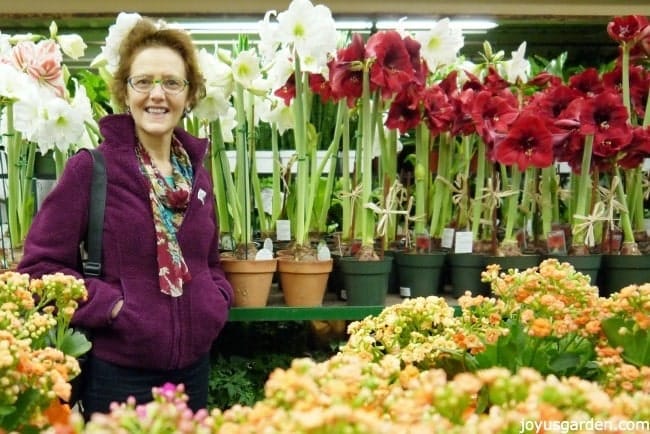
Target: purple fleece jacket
[(153, 330)]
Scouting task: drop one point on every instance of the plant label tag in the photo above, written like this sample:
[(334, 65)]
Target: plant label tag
[(283, 230), (464, 242), (447, 241)]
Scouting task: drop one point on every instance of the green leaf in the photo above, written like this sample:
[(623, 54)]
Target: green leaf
[(635, 342), (74, 343), (23, 407), (564, 362)]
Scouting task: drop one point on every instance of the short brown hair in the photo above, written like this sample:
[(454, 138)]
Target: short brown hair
[(145, 34)]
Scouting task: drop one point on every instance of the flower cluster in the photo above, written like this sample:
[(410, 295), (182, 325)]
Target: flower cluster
[(528, 356), (41, 110), (167, 412), (624, 352), (349, 394), (34, 368)]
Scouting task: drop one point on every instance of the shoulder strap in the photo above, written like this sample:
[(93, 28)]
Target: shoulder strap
[(92, 266)]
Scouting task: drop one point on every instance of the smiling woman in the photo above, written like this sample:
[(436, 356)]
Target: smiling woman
[(167, 258)]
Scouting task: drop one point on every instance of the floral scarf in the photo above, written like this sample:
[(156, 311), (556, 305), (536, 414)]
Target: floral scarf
[(169, 199)]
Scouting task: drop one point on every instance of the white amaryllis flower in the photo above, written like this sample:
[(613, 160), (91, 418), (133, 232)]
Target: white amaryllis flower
[(518, 68), (246, 68), (228, 123), (274, 111), (440, 44), (279, 71), (268, 43), (213, 106), (49, 121), (310, 32), (72, 45), (110, 55), (60, 126), (215, 72), (15, 85), (81, 104), (5, 46)]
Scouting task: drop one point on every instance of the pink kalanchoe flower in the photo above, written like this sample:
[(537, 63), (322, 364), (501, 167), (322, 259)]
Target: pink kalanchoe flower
[(42, 61)]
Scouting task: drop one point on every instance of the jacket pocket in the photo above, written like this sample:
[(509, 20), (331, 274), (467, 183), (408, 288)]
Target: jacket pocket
[(209, 312)]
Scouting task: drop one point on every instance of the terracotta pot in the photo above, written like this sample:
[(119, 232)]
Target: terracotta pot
[(250, 279), (303, 283)]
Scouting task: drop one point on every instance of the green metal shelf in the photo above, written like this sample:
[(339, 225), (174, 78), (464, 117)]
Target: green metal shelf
[(331, 309)]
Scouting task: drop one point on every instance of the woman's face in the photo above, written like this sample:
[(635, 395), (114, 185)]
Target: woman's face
[(156, 112)]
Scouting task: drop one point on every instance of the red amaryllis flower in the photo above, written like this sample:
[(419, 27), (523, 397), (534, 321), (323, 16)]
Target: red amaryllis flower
[(345, 72), (288, 91), (528, 143), (587, 82), (391, 68), (602, 113), (492, 114), (610, 142), (420, 69), (638, 149), (553, 101), (321, 87), (494, 82), (628, 29), (438, 111), (404, 112), (545, 79), (639, 85)]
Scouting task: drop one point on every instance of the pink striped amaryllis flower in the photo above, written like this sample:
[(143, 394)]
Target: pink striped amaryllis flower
[(42, 60)]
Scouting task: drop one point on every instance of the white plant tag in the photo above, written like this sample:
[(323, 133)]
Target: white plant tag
[(283, 230)]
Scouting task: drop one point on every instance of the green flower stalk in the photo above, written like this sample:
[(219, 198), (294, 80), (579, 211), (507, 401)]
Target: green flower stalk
[(422, 175), (441, 202), (366, 215), (479, 185), (20, 173)]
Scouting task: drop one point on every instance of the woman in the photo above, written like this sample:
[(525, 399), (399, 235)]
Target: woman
[(163, 297)]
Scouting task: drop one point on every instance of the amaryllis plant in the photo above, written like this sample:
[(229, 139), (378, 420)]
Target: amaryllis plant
[(606, 137), (293, 49), (369, 76), (41, 110)]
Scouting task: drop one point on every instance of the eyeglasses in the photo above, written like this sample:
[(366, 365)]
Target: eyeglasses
[(145, 84)]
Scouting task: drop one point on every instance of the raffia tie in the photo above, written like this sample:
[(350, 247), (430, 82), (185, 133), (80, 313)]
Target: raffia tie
[(394, 193), (608, 197), (598, 214), (456, 188), (493, 196), (352, 195)]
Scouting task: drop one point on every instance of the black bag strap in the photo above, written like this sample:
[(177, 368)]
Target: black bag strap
[(92, 265)]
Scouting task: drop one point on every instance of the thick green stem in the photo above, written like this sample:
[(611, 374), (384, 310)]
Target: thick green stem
[(330, 158), (276, 201), (346, 184), (422, 177), (367, 228), (547, 188), (242, 170), (479, 185), (220, 171), (512, 205), (441, 190), (302, 175), (583, 200), (624, 215)]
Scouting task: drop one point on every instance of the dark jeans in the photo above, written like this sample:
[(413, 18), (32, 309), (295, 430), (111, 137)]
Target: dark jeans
[(106, 383)]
